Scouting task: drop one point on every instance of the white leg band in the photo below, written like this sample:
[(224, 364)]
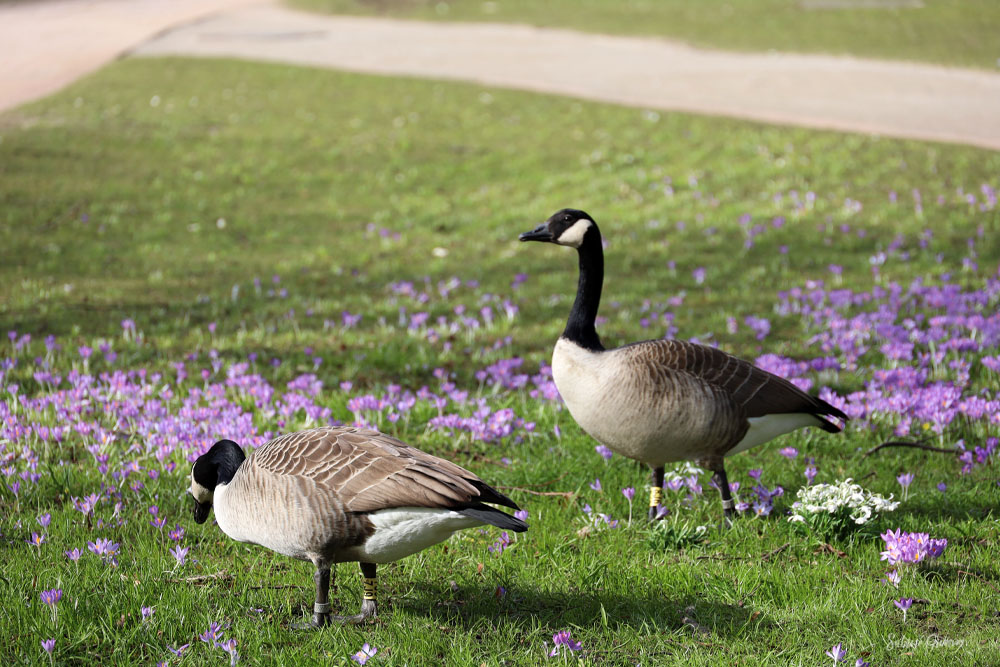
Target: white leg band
[(728, 504), (321, 608)]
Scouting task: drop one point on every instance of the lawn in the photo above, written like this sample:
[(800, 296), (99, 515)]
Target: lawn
[(192, 250), (937, 31)]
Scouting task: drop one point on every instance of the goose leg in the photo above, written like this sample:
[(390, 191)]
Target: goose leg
[(722, 481), (321, 608), (368, 607), (655, 491)]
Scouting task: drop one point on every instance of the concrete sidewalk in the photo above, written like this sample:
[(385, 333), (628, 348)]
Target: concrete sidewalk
[(850, 94), (48, 45)]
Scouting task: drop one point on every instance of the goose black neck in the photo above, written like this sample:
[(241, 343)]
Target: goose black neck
[(580, 326), (226, 457)]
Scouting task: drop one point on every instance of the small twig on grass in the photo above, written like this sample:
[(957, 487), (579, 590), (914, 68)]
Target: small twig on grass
[(915, 445), (274, 588), (202, 578), (871, 474), (830, 549), (981, 578), (770, 554)]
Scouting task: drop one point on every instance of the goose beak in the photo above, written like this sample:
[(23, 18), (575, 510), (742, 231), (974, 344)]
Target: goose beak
[(201, 511), (539, 233)]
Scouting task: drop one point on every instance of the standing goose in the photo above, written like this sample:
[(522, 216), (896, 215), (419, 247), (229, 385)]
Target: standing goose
[(664, 400), (331, 495)]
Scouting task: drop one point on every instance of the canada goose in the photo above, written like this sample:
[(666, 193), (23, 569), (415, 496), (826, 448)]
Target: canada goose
[(664, 400), (332, 495)]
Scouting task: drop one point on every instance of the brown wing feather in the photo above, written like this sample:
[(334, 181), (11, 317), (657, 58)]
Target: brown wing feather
[(755, 390), (370, 471)]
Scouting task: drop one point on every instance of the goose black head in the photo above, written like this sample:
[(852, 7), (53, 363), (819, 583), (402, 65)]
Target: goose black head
[(568, 227), (216, 466)]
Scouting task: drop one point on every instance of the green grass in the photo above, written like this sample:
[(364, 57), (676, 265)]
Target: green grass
[(109, 208), (938, 31)]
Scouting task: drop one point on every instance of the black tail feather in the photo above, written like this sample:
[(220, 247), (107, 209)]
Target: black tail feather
[(494, 517), (824, 409), (488, 494)]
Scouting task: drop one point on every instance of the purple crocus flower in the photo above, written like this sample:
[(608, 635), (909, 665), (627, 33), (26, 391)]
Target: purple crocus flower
[(604, 451), (521, 514), (788, 452), (147, 612), (44, 520), (366, 652), (903, 547), (49, 645), (501, 544), (837, 652), (755, 473), (903, 604), (51, 597), (629, 493), (942, 487), (106, 549), (810, 474), (229, 646), (180, 554), (212, 634), (74, 554), (892, 578), (179, 650), (563, 639), (675, 484), (596, 484), (763, 507), (905, 479)]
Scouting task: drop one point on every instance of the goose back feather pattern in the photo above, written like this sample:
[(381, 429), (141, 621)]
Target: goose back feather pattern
[(372, 471), (754, 391)]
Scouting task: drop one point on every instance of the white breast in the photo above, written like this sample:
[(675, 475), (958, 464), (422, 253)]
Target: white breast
[(402, 531), (603, 404), (245, 519)]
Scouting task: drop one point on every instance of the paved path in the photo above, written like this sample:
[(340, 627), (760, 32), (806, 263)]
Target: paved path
[(892, 99), (47, 45)]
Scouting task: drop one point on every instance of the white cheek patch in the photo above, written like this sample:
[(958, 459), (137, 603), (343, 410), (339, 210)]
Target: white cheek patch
[(573, 236), (200, 493)]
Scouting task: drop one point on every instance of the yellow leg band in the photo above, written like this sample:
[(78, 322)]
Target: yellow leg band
[(370, 584), (655, 493)]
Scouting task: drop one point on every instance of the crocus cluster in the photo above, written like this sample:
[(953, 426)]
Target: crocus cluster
[(901, 547), (213, 637), (562, 640)]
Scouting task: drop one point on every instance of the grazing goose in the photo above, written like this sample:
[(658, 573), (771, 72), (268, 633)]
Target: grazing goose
[(664, 400), (331, 495)]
